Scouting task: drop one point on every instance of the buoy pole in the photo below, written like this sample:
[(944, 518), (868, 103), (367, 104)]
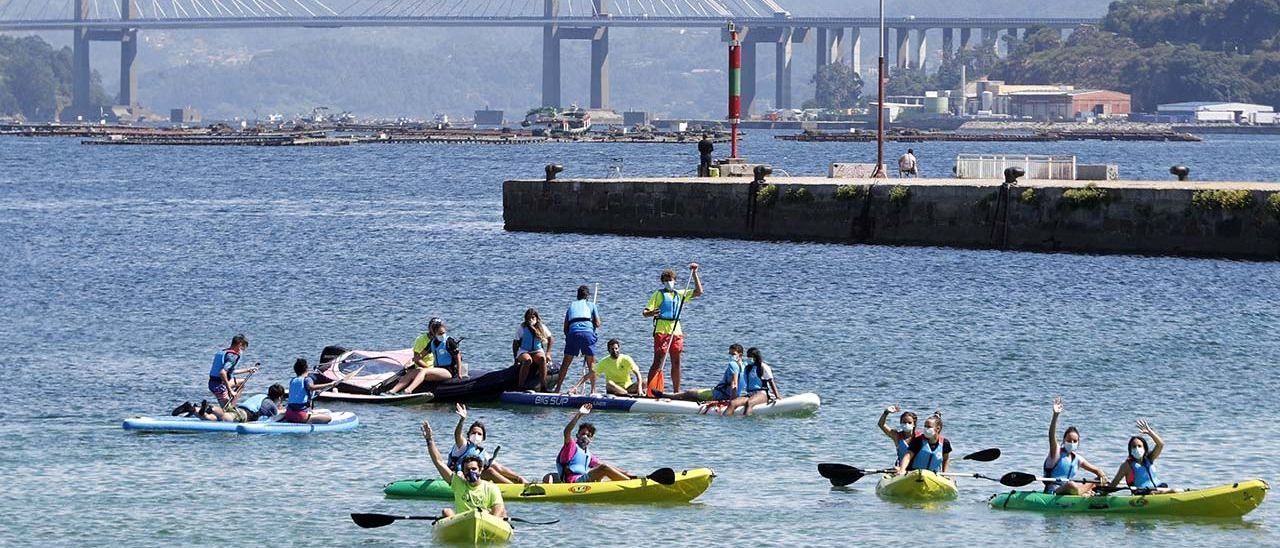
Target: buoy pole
[(735, 89)]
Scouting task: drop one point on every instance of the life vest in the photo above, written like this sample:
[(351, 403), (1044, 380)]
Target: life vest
[(1063, 470), (929, 458), (904, 443), (299, 396), (529, 340), (670, 306), (579, 316), (1141, 476), (578, 465), (253, 403), (471, 450), (751, 377), (441, 351), (224, 359), (721, 391)]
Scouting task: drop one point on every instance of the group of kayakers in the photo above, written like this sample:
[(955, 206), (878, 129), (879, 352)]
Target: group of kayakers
[(927, 449)]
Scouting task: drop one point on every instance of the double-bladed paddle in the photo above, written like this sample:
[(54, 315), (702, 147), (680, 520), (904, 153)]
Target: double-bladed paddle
[(1021, 479), (664, 476), (843, 474), (370, 521)]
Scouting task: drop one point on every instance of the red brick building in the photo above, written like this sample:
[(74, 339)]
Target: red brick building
[(1069, 104)]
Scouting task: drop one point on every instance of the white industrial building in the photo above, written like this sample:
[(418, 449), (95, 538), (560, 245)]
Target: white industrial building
[(1209, 111)]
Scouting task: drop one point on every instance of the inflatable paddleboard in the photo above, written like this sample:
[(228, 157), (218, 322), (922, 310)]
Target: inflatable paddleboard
[(799, 404)]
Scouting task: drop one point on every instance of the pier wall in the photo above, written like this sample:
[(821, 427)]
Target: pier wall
[(1234, 220)]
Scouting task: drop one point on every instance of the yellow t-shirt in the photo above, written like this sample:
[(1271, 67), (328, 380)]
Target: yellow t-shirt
[(665, 326), (481, 497), (420, 344), (618, 370)]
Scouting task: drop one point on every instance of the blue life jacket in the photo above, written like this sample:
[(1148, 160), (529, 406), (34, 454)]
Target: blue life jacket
[(1141, 476), (670, 304), (299, 396), (721, 391), (580, 315), (441, 351), (929, 458), (253, 403), (904, 444), (529, 341), (578, 465), (751, 376), (224, 359), (472, 450), (1062, 471)]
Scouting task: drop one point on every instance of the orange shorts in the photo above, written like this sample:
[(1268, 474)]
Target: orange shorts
[(660, 341)]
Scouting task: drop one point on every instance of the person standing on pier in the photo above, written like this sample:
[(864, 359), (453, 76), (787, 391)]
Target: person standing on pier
[(907, 165), (665, 307), (705, 148)]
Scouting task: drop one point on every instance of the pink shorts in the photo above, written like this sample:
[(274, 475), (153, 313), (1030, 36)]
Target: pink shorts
[(296, 415)]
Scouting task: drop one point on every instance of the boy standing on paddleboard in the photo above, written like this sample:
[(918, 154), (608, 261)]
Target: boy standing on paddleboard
[(665, 306)]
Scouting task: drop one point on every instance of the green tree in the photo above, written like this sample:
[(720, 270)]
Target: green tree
[(837, 86)]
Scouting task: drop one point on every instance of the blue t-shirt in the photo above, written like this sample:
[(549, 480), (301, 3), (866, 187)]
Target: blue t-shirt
[(734, 371), (583, 312)]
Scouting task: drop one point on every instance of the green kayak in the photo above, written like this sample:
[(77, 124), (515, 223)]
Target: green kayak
[(1231, 500)]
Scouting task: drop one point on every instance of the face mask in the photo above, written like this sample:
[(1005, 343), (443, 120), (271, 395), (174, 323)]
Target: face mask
[(930, 432), (584, 441), (441, 337), (476, 439), (1070, 446), (472, 476), (907, 428), (1137, 453), (671, 284)]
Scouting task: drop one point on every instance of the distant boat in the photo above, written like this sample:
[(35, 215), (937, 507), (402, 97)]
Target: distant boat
[(570, 121)]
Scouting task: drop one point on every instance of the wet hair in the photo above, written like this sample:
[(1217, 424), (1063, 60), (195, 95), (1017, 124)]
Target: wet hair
[(587, 427), (483, 431), (239, 339), (583, 292), (910, 415), (275, 392), (668, 275), (735, 347), (300, 366), (1146, 451), (1069, 430), (469, 458)]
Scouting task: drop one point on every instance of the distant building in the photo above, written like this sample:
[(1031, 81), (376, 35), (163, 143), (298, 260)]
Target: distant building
[(1069, 104), (185, 115), (1210, 111)]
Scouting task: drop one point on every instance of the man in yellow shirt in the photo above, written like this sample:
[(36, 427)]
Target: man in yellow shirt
[(665, 307), (469, 491), (617, 369)]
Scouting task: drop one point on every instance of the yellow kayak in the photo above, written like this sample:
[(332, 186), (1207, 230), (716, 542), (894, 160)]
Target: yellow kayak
[(689, 485), (473, 527), (916, 485)]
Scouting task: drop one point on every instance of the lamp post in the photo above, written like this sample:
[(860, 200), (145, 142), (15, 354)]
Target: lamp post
[(879, 171)]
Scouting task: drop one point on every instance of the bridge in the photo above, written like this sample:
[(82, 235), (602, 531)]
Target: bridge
[(761, 22)]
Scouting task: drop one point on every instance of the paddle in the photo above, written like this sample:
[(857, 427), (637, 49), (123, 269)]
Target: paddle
[(985, 455), (1020, 479), (370, 521), (843, 474), (231, 401), (664, 476), (660, 379), (967, 475)]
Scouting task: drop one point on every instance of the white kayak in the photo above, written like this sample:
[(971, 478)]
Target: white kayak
[(799, 404), (342, 420), (334, 395)]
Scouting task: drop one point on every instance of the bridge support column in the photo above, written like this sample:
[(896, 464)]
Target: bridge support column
[(991, 38), (855, 49), (81, 72), (948, 42), (900, 36), (782, 71), (1012, 35), (920, 48), (824, 48), (748, 77), (550, 57), (128, 54), (966, 36), (600, 69)]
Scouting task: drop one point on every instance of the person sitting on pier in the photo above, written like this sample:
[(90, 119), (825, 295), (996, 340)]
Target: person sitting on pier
[(617, 370), (907, 165)]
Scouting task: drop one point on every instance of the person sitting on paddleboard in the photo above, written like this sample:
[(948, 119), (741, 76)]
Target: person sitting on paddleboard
[(473, 446), (1064, 460), (222, 381), (904, 434), (581, 321), (731, 386), (575, 463), (425, 364), (930, 451), (666, 307), (1136, 470), (617, 369), (760, 385), (298, 408), (470, 491), (253, 408), (533, 347)]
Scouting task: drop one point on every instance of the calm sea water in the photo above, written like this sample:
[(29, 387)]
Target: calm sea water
[(126, 268)]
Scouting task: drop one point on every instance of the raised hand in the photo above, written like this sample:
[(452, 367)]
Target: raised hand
[(1057, 405), (426, 430), (693, 267), (460, 409), (1144, 427), (892, 409)]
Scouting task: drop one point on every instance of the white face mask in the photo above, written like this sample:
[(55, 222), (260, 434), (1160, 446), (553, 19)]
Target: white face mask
[(1070, 446), (671, 284), (907, 428), (441, 337), (930, 432), (1137, 453), (476, 439)]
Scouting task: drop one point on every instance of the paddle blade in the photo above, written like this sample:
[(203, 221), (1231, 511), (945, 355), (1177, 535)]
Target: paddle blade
[(1017, 479), (527, 522), (664, 476), (985, 455), (840, 474), (370, 521)]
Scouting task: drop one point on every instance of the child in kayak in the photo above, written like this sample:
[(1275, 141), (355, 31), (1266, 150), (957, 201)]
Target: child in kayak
[(760, 385), (298, 408), (1064, 460), (1136, 470), (533, 347), (575, 463), (929, 451), (253, 408), (470, 492), (904, 434), (473, 446)]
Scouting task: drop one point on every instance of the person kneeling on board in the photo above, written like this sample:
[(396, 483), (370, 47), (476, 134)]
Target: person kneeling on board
[(930, 451), (473, 446), (470, 492), (617, 370), (253, 408), (301, 387), (1136, 470), (575, 463), (760, 385)]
